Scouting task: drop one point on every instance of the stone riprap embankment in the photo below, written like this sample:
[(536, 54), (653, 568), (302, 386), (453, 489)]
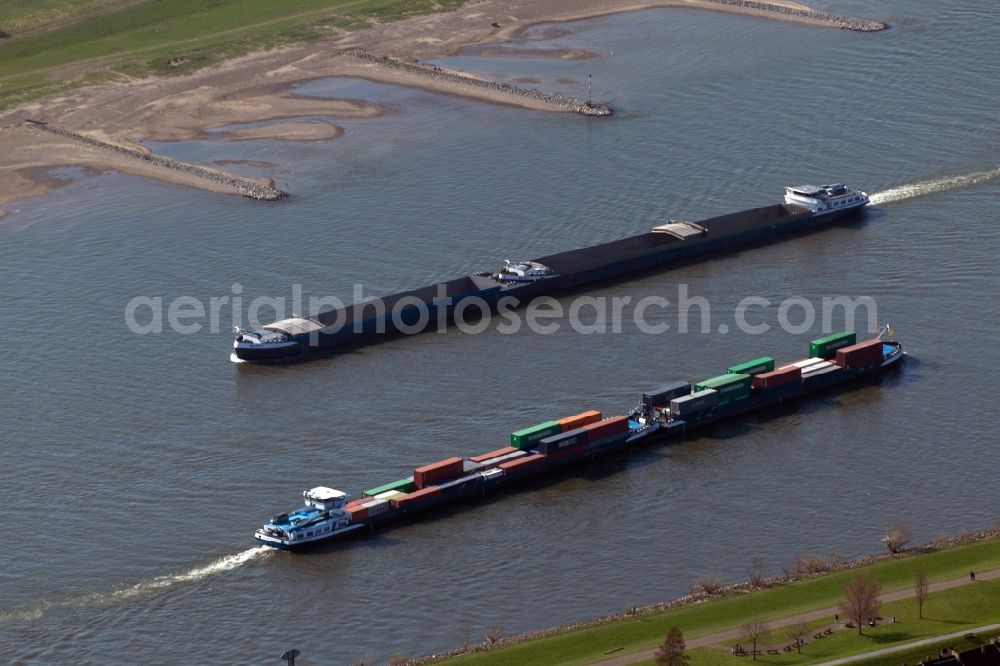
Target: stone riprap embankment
[(243, 186), (563, 102), (726, 591), (835, 20)]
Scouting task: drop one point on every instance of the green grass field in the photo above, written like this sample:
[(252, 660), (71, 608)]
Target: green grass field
[(945, 612), (52, 45), (646, 631)]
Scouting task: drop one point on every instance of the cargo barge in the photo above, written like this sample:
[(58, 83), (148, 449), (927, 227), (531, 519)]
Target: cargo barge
[(805, 208), (539, 451)]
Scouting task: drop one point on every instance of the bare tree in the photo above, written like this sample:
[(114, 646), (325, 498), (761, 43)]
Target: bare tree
[(671, 651), (860, 600), (896, 537), (789, 570), (755, 574), (707, 585), (753, 631), (811, 564), (796, 632), (495, 633), (920, 589)]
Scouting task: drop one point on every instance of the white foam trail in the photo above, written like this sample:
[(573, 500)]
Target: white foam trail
[(24, 614), (236, 359), (929, 186), (143, 589)]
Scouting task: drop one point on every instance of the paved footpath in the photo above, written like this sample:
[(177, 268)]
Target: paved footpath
[(810, 616), (908, 646)]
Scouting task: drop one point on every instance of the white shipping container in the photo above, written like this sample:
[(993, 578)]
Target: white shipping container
[(504, 458), (389, 494), (812, 372), (809, 361), (376, 507)]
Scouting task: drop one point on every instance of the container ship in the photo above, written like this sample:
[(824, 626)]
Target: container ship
[(538, 451), (805, 208)]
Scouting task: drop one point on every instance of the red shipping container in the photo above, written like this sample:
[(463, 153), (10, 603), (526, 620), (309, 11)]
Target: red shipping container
[(494, 454), (860, 354), (416, 497), (578, 421), (443, 469), (358, 513), (615, 425), (527, 462), (788, 374)]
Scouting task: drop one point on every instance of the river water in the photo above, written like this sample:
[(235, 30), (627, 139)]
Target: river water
[(136, 467)]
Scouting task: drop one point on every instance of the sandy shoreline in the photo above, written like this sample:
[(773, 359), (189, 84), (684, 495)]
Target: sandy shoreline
[(311, 131), (257, 87)]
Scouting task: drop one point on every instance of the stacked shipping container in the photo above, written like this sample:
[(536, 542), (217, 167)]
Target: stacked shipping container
[(755, 367), (439, 471), (860, 355), (493, 454), (416, 497), (578, 421), (662, 396), (564, 444), (827, 346), (527, 437), (522, 464), (729, 387), (788, 374), (696, 402), (403, 486)]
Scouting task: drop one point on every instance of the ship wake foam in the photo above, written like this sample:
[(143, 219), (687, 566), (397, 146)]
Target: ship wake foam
[(923, 187), (139, 590)]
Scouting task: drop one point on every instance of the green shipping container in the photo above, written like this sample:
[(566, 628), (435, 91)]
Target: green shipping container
[(524, 439), (403, 486), (729, 387), (758, 366), (827, 347)]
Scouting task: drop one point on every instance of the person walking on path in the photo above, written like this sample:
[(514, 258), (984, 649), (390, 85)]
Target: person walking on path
[(972, 576)]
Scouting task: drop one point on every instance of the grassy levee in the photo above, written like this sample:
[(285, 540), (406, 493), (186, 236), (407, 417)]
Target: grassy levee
[(152, 37), (647, 630), (945, 612), (914, 655), (24, 17)]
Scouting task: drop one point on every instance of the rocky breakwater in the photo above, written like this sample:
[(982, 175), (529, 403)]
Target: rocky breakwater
[(559, 102), (243, 186), (834, 20)]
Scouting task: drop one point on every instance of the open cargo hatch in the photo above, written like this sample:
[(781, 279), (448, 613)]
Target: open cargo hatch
[(680, 229), (294, 326)]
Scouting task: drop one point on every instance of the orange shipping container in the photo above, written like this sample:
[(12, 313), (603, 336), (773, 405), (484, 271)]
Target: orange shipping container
[(788, 374), (494, 454), (578, 421), (358, 513), (412, 498), (526, 462), (443, 469)]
